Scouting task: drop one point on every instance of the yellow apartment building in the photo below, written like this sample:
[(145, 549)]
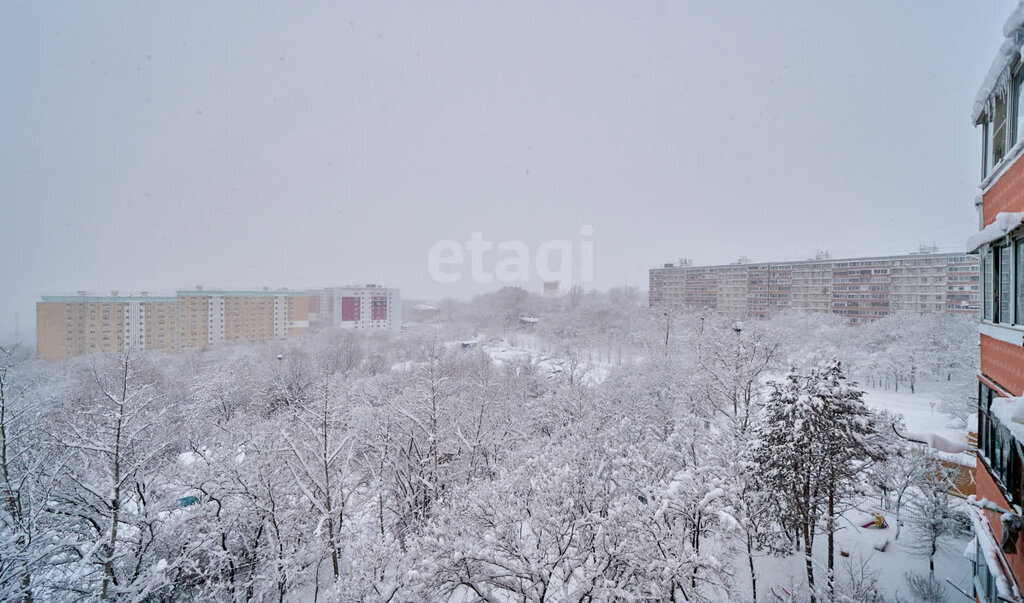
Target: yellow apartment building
[(75, 325)]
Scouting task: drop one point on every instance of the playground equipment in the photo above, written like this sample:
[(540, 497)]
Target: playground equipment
[(878, 522)]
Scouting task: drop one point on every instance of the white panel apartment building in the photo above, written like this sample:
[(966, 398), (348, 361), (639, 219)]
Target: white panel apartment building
[(861, 289), (370, 307)]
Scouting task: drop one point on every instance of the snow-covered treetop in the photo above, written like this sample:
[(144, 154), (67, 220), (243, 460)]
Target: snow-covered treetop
[(997, 80)]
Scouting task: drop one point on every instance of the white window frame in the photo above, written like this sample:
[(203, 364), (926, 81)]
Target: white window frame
[(986, 148), (1007, 318)]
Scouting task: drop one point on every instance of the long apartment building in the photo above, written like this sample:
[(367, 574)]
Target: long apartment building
[(76, 325), (860, 289), (999, 243)]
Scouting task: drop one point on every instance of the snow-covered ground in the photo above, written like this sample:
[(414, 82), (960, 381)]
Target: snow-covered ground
[(903, 554), (920, 411), (924, 421), (591, 367)]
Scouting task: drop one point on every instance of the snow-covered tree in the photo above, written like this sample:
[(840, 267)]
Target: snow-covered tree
[(319, 438), (931, 508), (815, 436), (732, 357), (112, 497), (852, 438), (30, 539), (787, 452)]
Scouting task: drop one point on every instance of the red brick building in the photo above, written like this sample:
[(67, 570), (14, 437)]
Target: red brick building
[(999, 114)]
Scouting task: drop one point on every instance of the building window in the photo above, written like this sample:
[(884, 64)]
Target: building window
[(1000, 449), (1017, 117), (999, 131), (984, 406), (987, 270), (1019, 275), (984, 580), (1005, 288), (986, 148), (998, 266), (1002, 269)]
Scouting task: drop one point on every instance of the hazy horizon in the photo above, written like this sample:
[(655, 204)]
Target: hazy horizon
[(160, 147)]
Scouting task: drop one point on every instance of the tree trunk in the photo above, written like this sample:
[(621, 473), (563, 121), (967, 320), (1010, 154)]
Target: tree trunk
[(115, 497), (807, 521), (831, 527), (750, 560), (808, 560), (326, 451), (668, 328), (695, 540)]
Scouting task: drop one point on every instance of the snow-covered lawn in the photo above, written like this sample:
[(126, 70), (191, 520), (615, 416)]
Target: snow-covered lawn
[(920, 411), (902, 555)]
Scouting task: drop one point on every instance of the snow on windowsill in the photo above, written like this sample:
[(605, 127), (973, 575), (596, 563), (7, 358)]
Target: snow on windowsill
[(1003, 325), (1004, 224), (1010, 412), (1011, 334)]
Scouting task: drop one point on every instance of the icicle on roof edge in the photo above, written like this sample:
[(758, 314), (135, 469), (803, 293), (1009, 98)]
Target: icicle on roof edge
[(997, 80)]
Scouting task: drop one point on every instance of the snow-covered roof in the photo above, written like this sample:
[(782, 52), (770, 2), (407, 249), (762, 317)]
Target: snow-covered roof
[(997, 80), (937, 442), (1003, 225), (964, 459), (944, 448)]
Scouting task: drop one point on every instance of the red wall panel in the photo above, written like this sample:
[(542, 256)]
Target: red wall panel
[(349, 309), (379, 308), (1007, 194), (1003, 362)]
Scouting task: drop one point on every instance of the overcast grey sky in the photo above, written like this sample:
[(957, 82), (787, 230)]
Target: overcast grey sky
[(158, 146)]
